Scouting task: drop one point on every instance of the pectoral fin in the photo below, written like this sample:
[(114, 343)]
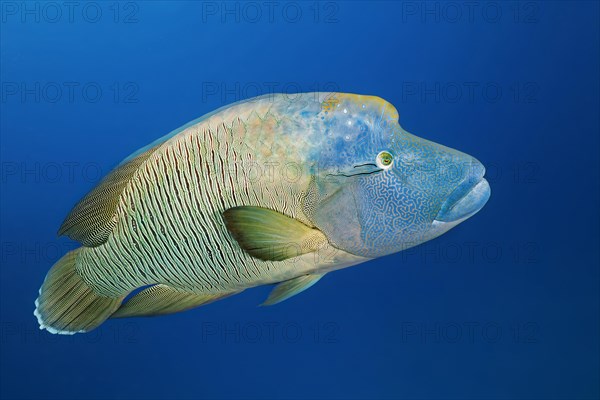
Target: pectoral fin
[(270, 235), (287, 289), (161, 300)]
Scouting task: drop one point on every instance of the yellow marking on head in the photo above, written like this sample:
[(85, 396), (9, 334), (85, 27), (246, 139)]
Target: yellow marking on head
[(333, 102), (330, 104)]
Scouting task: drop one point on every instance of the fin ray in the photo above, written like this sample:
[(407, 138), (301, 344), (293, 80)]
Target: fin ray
[(287, 289), (66, 304), (161, 300), (270, 235), (91, 221)]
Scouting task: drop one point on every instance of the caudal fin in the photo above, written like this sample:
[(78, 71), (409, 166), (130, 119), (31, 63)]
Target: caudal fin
[(66, 304)]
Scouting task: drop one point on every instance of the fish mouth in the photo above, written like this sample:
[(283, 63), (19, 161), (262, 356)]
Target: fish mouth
[(466, 200)]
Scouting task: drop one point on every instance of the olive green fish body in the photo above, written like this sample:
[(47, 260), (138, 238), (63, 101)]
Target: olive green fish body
[(276, 189), (169, 221)]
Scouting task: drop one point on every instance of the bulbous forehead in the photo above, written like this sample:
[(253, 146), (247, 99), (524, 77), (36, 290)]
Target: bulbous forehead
[(355, 128), (348, 104)]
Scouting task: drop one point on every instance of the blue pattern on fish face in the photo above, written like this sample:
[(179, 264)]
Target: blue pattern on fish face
[(372, 210)]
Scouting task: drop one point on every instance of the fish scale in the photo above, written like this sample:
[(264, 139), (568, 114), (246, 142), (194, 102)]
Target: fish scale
[(275, 189), (179, 194)]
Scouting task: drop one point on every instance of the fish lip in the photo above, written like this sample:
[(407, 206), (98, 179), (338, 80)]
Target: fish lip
[(465, 201)]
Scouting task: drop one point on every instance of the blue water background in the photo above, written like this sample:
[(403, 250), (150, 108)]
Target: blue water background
[(504, 306)]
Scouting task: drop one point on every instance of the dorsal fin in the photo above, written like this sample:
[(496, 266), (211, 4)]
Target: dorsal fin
[(196, 121), (91, 221)]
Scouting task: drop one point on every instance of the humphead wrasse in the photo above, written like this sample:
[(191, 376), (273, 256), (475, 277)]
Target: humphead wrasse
[(277, 189)]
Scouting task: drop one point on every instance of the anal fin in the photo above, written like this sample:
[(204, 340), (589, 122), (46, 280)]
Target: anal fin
[(162, 299), (287, 289)]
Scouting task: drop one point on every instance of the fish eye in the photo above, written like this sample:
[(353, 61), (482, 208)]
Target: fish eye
[(384, 160)]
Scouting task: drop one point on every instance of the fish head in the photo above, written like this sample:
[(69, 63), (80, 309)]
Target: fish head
[(377, 189)]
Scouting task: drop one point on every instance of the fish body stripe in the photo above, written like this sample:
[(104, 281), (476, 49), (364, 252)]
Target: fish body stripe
[(169, 221)]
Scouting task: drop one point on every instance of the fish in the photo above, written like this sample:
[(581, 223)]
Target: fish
[(278, 190)]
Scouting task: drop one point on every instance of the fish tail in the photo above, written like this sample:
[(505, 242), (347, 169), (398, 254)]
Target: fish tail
[(66, 304)]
